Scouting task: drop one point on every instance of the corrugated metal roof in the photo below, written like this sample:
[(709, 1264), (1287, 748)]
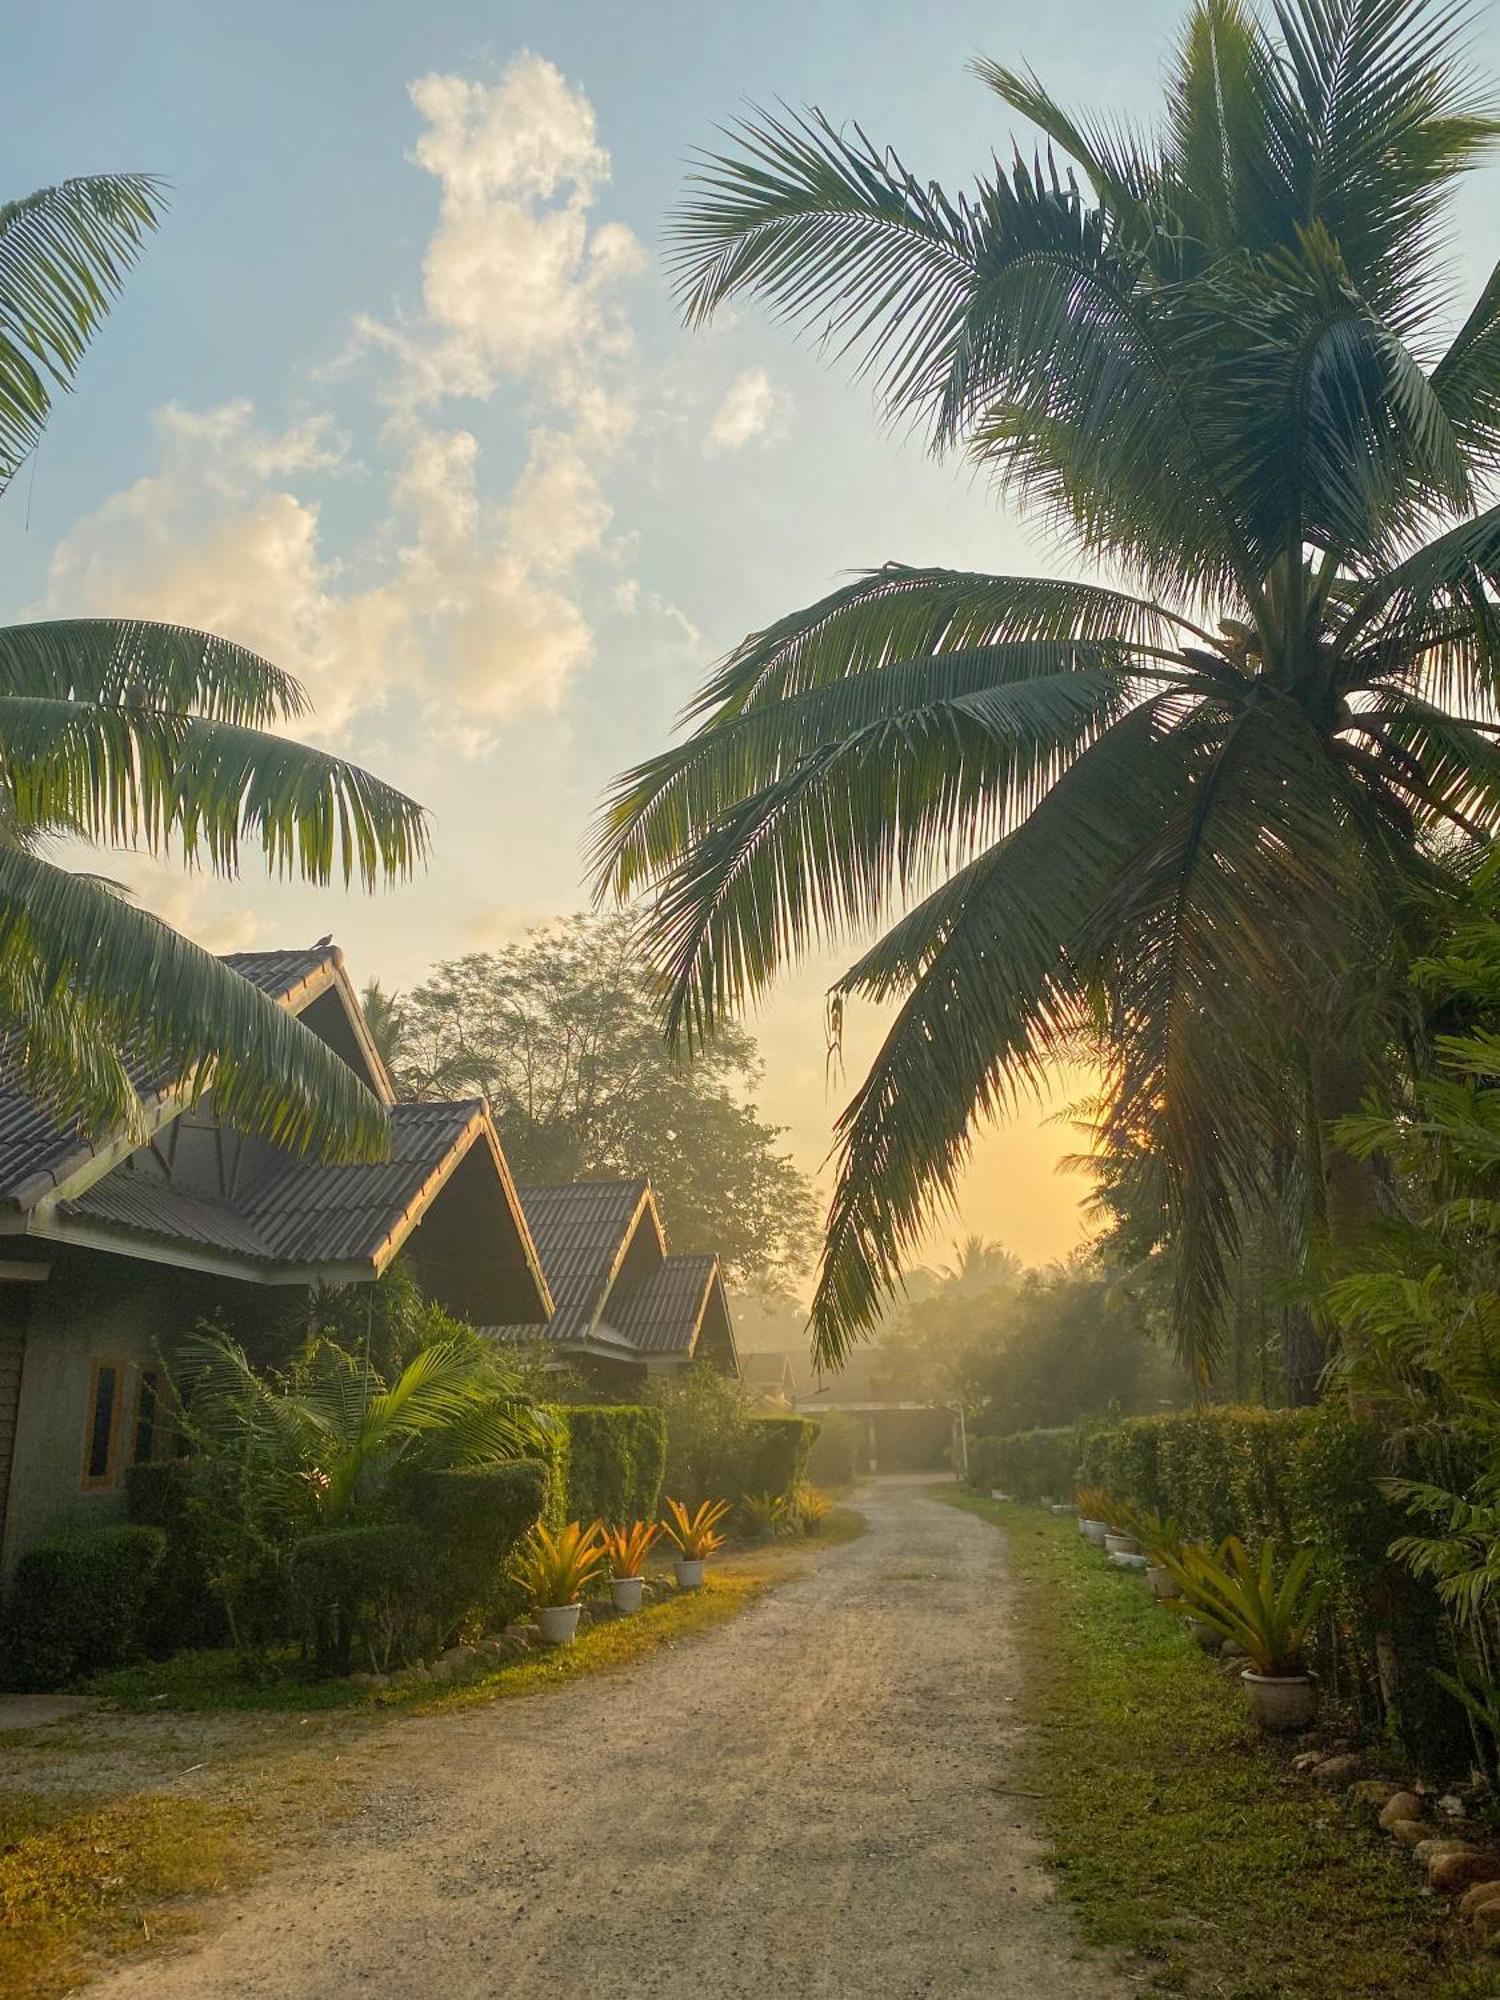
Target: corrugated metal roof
[(278, 973), (579, 1228), (302, 1213), (661, 1314)]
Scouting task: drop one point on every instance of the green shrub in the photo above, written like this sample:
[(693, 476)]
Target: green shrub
[(617, 1453), (708, 1435), (836, 1453), (183, 1612), (776, 1457), (78, 1605), (362, 1587), (1029, 1465), (474, 1517)]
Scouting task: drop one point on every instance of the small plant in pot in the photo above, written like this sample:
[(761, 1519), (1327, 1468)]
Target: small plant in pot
[(1162, 1541), (555, 1570), (760, 1516), (1093, 1507), (627, 1548), (1237, 1596), (695, 1537)]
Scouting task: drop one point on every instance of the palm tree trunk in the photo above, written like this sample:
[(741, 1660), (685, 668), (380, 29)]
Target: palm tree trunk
[(1350, 1202)]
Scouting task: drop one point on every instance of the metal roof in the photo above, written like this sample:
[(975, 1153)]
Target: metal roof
[(580, 1229), (661, 1314)]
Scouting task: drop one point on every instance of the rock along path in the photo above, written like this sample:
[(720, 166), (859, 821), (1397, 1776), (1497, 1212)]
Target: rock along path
[(809, 1801)]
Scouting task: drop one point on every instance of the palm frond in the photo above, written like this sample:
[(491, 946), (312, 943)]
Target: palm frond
[(141, 663)]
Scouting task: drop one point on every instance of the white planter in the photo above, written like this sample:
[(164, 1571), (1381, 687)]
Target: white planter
[(1282, 1701), (1137, 1563), (626, 1592), (689, 1574), (1121, 1545), (1061, 1507), (557, 1622), (1095, 1531), (996, 1494), (1163, 1583), (1208, 1636)]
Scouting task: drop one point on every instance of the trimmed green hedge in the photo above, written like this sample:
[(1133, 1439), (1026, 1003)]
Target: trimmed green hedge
[(835, 1456), (366, 1587), (78, 1605), (777, 1449), (1305, 1478), (474, 1516), (183, 1611), (1029, 1465), (616, 1455)]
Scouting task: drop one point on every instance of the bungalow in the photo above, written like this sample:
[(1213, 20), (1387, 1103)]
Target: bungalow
[(625, 1310), (110, 1249)]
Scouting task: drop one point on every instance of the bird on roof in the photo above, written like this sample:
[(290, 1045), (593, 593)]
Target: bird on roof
[(324, 942)]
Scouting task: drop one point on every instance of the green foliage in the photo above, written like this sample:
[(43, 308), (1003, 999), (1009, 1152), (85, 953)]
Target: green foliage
[(759, 1515), (78, 1604), (617, 1456), (708, 1422), (362, 1588), (837, 1449), (560, 1032), (1239, 1597), (474, 1517), (183, 1611), (1026, 1464), (557, 1569), (694, 1530), (776, 1458)]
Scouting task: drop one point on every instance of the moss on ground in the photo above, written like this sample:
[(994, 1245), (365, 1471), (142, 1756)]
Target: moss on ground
[(1181, 1835), (85, 1879)]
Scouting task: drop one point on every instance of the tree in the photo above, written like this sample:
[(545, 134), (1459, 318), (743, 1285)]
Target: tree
[(125, 731), (1174, 809), (558, 1031)]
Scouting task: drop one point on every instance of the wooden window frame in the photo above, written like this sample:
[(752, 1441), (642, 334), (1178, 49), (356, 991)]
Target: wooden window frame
[(146, 1371), (97, 1483)]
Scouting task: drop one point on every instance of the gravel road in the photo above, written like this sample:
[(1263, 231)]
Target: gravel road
[(809, 1801)]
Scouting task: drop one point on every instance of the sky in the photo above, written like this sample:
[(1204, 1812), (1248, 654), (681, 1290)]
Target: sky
[(399, 396)]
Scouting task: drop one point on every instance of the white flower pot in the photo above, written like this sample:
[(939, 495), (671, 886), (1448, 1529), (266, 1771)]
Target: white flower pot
[(1137, 1563), (557, 1622), (1121, 1545), (626, 1592), (1163, 1583), (1282, 1701), (689, 1574), (1095, 1532), (1208, 1636)]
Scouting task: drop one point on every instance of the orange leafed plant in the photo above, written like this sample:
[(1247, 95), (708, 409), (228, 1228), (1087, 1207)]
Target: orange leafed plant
[(629, 1546), (555, 1569), (694, 1533)]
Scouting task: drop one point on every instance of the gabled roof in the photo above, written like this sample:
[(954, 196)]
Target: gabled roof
[(582, 1230), (663, 1315)]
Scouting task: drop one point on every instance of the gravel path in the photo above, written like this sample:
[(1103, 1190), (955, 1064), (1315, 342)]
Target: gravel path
[(806, 1802)]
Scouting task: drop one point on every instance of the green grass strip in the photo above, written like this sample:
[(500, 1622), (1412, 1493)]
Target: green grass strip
[(1178, 1832)]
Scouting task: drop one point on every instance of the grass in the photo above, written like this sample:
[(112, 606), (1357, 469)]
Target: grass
[(1180, 1834), (84, 1879)]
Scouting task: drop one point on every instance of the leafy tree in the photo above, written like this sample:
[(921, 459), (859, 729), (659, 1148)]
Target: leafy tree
[(124, 731), (1175, 808), (558, 1031)]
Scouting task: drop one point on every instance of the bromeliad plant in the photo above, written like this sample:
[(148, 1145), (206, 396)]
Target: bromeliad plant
[(694, 1533), (555, 1570), (1238, 1596), (627, 1547), (761, 1514)]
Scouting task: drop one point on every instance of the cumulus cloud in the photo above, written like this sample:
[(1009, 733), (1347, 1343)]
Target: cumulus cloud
[(469, 604), (753, 411)]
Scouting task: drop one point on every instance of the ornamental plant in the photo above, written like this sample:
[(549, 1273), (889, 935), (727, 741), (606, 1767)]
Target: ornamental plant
[(557, 1569), (694, 1533), (627, 1547), (1238, 1596), (761, 1513)]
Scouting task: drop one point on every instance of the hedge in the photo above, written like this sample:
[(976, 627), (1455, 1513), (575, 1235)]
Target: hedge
[(474, 1516), (1306, 1478), (365, 1586), (1029, 1465), (616, 1455), (183, 1611), (776, 1454), (78, 1605), (835, 1456)]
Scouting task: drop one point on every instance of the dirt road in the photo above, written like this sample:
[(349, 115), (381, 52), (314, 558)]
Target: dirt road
[(807, 1802)]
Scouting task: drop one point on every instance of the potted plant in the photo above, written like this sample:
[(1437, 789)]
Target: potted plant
[(555, 1570), (1160, 1538), (1092, 1508), (1237, 1597), (695, 1537), (627, 1549), (760, 1515)]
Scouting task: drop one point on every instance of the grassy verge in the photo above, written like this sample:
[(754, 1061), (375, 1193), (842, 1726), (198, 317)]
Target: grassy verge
[(1180, 1834), (85, 1879)]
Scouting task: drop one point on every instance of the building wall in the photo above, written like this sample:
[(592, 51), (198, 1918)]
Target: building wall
[(95, 1307)]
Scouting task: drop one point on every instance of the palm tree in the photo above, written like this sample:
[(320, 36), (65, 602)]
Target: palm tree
[(131, 732), (1178, 804)]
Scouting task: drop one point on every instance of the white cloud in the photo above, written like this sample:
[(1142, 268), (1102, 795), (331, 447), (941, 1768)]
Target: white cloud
[(754, 411)]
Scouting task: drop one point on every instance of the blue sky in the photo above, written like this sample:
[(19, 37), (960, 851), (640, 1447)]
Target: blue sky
[(399, 396)]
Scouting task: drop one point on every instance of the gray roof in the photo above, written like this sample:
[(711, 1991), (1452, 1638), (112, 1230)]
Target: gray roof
[(661, 1315), (33, 1144), (580, 1229), (302, 1213)]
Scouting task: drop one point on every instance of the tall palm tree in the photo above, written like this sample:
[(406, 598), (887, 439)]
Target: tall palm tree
[(132, 732), (1179, 801)]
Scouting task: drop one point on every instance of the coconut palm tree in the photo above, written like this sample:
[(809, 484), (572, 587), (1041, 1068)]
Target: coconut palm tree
[(130, 732), (1180, 800)]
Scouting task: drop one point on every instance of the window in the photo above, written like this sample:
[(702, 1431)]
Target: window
[(105, 1384), (145, 1441)]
